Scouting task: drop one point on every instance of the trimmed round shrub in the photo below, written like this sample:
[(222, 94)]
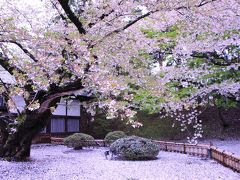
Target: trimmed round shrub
[(78, 140), (113, 136), (134, 148)]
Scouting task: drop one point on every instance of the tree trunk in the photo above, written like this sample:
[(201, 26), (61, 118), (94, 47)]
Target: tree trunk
[(4, 121), (17, 145)]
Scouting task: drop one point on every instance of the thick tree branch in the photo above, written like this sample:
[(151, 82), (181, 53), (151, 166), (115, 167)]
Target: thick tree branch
[(116, 31), (27, 52), (73, 18), (64, 18), (4, 62), (51, 98), (204, 2), (102, 17), (213, 57)]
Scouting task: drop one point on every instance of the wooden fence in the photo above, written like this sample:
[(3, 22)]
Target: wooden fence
[(226, 158), (43, 138), (58, 141), (196, 150)]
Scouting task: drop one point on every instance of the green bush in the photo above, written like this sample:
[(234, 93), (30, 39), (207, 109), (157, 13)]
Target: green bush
[(113, 136), (134, 148), (78, 140)]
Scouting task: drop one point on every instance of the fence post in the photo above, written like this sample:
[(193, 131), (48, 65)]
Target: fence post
[(223, 155), (184, 148), (209, 152)]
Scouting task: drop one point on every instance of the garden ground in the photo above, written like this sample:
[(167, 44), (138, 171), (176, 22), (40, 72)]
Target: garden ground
[(59, 162)]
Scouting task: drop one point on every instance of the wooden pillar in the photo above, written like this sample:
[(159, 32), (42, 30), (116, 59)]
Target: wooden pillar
[(66, 118), (184, 148), (80, 117), (209, 152)]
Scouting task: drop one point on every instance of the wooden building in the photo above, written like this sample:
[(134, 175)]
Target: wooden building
[(65, 120)]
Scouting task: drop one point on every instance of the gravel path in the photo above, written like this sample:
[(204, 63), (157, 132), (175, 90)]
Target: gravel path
[(61, 163)]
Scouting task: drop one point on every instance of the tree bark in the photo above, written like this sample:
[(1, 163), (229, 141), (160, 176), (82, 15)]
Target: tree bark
[(17, 145), (3, 131)]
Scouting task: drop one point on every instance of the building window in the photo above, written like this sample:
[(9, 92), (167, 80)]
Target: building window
[(66, 117), (57, 125), (72, 125)]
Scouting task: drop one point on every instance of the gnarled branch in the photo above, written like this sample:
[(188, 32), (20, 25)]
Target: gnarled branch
[(116, 31), (70, 14), (27, 52)]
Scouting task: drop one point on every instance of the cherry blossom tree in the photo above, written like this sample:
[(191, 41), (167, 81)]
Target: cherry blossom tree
[(109, 49)]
